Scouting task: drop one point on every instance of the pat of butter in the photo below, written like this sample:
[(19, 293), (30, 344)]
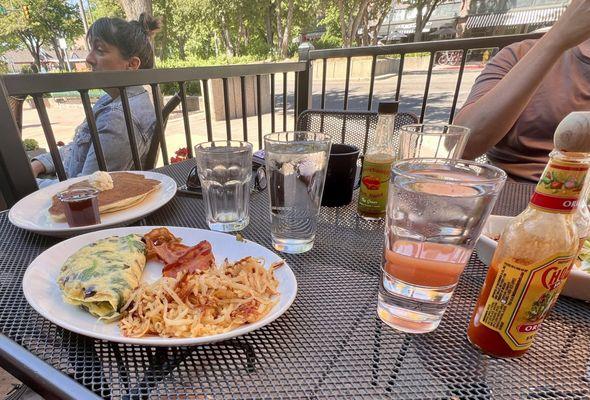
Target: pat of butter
[(101, 180)]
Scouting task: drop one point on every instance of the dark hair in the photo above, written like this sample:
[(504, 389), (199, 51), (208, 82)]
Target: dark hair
[(132, 38)]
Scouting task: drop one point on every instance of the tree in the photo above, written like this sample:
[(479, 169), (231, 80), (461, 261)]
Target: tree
[(346, 17), (47, 21), (350, 15), (61, 20), (424, 10), (134, 8), (373, 19), (104, 8)]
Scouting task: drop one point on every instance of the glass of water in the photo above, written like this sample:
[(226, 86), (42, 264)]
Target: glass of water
[(296, 164), (435, 213), (225, 171), (432, 141)]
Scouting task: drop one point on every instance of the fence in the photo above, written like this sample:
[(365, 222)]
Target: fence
[(401, 50), (16, 178)]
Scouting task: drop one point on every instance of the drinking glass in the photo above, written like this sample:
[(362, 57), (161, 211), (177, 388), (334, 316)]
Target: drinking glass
[(225, 170), (432, 141), (435, 213), (296, 164), (340, 175)]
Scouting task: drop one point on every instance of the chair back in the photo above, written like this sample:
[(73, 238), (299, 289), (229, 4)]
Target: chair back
[(16, 108), (350, 127), (153, 151)]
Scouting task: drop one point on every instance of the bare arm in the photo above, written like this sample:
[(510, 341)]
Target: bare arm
[(491, 116), (38, 168)]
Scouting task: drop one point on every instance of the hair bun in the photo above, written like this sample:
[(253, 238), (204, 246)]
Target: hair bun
[(149, 24)]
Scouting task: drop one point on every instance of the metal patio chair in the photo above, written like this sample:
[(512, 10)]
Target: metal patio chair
[(350, 127)]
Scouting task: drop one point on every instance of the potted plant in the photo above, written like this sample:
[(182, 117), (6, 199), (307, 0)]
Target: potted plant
[(32, 148)]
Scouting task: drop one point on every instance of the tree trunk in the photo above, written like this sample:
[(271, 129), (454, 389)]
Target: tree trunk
[(59, 54), (357, 20), (269, 34), (462, 19), (268, 26), (134, 8), (226, 36), (343, 25), (377, 28), (287, 34), (419, 22), (365, 39), (280, 31), (34, 48)]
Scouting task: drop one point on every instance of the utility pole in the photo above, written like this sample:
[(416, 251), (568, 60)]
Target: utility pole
[(84, 22)]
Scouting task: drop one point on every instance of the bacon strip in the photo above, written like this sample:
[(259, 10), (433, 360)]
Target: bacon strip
[(196, 258), (161, 244), (170, 252)]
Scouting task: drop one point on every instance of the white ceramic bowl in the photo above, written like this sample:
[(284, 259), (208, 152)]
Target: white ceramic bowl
[(578, 283)]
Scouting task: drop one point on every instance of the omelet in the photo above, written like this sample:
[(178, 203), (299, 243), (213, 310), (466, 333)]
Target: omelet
[(101, 276)]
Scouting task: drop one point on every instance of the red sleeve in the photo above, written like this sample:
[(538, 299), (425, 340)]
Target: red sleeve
[(497, 68)]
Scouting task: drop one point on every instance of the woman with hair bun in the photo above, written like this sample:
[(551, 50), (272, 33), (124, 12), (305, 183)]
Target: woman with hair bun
[(116, 45)]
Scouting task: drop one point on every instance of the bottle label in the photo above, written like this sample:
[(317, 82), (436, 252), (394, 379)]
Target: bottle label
[(521, 297), (559, 188), (374, 186)]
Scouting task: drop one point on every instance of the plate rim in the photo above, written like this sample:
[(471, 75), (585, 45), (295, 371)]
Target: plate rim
[(157, 340), (165, 179)]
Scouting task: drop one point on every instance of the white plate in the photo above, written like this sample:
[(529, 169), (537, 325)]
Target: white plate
[(31, 213), (43, 294), (578, 283)]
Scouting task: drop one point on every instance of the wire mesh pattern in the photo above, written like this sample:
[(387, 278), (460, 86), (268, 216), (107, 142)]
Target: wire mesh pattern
[(350, 127), (330, 343)]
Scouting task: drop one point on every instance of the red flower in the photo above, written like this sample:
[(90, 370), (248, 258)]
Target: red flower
[(60, 143), (182, 152), (176, 159)]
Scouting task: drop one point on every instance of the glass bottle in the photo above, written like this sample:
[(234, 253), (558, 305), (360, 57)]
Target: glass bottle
[(582, 218), (377, 162), (533, 259)]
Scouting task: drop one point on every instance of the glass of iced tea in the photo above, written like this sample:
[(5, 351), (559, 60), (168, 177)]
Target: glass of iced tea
[(435, 213)]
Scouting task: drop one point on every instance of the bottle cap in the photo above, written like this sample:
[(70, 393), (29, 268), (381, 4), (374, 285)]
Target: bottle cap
[(388, 107), (573, 133)]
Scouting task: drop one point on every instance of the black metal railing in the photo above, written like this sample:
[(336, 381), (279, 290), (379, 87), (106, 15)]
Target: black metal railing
[(401, 50), (16, 179)]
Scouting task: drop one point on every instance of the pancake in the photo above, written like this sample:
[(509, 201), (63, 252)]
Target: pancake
[(128, 190)]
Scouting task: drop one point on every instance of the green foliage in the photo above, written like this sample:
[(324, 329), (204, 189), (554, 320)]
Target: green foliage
[(30, 144), (328, 41), (105, 8), (193, 88), (47, 21), (27, 69), (206, 62), (3, 67)]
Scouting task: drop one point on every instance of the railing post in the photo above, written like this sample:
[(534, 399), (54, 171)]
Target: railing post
[(304, 80), (16, 175)]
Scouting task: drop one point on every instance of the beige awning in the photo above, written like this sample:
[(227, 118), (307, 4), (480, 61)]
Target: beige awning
[(517, 17)]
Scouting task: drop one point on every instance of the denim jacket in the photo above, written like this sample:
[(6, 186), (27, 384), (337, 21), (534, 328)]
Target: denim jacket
[(79, 158)]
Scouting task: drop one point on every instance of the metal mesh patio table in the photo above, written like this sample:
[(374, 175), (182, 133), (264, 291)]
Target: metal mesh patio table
[(330, 343)]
